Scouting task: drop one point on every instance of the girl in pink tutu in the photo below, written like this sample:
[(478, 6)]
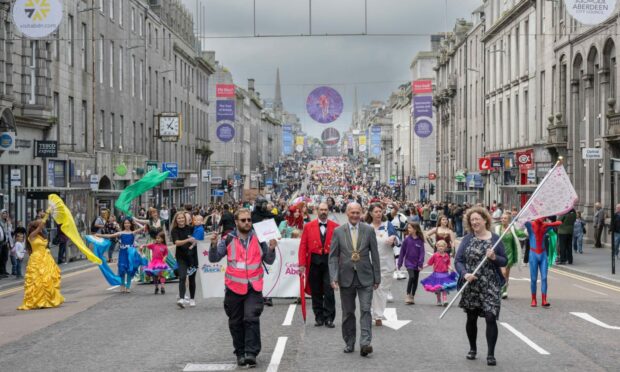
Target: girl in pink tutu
[(157, 267), (443, 278)]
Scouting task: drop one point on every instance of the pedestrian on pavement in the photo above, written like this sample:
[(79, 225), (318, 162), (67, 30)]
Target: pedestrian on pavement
[(615, 230), (579, 230), (386, 240), (481, 297), (5, 242), (243, 299), (164, 214), (98, 224), (61, 240), (181, 236), (19, 250), (314, 249), (227, 222), (412, 255), (354, 267), (565, 236), (599, 224), (497, 214)]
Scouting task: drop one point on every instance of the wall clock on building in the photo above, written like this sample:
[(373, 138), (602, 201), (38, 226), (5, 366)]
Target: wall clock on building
[(169, 127)]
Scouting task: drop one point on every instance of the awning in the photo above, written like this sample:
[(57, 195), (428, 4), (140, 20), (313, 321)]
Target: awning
[(463, 192)]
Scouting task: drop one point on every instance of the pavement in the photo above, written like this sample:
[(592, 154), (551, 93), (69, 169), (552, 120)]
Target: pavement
[(594, 263), (100, 329)]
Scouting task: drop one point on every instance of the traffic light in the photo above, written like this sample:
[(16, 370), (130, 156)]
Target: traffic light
[(432, 190)]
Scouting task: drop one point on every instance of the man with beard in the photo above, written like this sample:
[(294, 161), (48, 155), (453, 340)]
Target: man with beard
[(314, 256), (243, 301)]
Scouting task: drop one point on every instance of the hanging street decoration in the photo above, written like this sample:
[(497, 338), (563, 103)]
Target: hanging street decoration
[(324, 105)]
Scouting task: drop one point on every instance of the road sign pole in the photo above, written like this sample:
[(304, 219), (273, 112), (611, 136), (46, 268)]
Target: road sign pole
[(612, 183)]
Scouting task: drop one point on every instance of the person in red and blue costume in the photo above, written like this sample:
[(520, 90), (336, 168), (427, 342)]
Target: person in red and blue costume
[(538, 261)]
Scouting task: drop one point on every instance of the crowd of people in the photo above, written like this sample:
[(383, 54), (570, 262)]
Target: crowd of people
[(378, 240)]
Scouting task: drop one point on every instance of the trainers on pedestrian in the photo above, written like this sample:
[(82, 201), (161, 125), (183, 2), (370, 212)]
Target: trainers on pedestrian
[(186, 298), (409, 300), (390, 298), (163, 290), (192, 303), (181, 304), (250, 360)]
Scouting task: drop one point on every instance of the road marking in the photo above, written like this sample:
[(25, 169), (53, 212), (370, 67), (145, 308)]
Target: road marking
[(276, 357), (191, 367), (392, 319), (288, 319), (590, 290), (521, 279), (593, 320), (525, 339), (21, 288), (588, 280), (113, 287)]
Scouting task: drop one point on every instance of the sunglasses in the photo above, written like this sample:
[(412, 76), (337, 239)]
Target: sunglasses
[(245, 220)]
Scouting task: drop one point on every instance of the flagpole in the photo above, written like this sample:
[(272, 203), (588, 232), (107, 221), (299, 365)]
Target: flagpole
[(525, 207)]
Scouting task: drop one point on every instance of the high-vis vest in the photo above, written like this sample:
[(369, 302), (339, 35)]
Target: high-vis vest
[(244, 266)]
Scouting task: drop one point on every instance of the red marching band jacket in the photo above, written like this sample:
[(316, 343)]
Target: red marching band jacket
[(244, 266), (311, 243)]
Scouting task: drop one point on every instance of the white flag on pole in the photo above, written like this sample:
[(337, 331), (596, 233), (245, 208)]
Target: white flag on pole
[(554, 196)]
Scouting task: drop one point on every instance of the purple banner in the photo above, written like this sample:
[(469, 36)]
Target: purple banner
[(422, 106), (324, 104), (225, 110), (225, 132), (423, 128)]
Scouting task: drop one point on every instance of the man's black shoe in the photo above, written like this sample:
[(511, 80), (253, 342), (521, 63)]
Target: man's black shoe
[(268, 301), (241, 361), (349, 349), (250, 360), (319, 323), (329, 324), (365, 350)]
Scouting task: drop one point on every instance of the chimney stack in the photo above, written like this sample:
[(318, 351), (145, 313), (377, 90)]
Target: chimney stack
[(251, 85)]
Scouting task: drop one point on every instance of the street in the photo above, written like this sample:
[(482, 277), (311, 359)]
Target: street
[(103, 330)]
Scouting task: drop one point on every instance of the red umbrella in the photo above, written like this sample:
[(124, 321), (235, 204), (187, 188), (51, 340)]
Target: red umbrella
[(302, 294)]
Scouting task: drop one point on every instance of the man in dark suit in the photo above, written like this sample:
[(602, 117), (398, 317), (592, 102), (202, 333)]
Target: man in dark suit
[(354, 268), (314, 251)]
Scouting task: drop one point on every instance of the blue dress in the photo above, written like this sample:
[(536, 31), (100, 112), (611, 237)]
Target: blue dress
[(127, 241)]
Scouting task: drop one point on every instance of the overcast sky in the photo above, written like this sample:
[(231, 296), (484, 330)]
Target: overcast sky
[(374, 65)]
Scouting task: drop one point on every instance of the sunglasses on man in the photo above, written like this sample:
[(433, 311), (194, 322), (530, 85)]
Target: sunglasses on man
[(244, 220)]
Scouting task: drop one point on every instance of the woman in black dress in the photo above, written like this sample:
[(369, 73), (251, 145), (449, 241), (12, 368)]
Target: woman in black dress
[(482, 296)]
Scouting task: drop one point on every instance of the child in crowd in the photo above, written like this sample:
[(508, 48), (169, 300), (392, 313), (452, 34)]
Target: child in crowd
[(157, 267), (127, 239), (199, 235), (412, 255), (443, 278), (579, 230), (19, 252)]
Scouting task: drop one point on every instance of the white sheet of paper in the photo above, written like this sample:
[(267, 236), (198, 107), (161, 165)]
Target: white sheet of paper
[(267, 230)]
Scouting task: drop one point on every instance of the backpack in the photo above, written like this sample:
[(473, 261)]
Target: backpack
[(434, 215)]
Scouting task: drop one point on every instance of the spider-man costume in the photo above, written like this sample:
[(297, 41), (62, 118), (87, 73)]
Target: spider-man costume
[(537, 230)]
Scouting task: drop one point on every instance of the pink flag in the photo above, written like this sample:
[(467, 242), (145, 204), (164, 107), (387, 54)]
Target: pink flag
[(554, 196)]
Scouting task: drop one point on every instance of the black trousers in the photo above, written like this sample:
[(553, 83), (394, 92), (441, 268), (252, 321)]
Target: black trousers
[(183, 265), (566, 249), (412, 284), (598, 231), (323, 300), (4, 257), (243, 313)]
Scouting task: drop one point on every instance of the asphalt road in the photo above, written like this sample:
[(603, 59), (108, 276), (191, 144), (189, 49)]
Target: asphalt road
[(102, 330)]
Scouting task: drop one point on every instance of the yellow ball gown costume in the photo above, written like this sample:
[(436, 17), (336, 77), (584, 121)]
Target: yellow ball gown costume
[(42, 281)]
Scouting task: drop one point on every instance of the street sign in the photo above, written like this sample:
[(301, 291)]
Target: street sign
[(206, 175), (524, 158), (16, 177), (150, 165), (94, 182), (269, 182), (484, 164), (497, 162), (413, 182), (432, 176), (362, 148), (218, 192), (45, 149), (173, 168), (588, 153)]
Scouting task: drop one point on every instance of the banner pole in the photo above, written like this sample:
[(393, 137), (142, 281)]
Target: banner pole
[(529, 201)]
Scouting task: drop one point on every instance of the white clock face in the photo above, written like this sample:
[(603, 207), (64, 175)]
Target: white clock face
[(168, 126)]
